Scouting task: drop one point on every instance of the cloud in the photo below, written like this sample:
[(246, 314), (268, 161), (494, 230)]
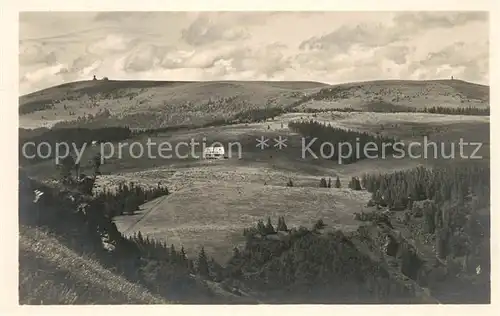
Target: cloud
[(221, 60), (201, 58), (80, 67), (416, 21), (40, 77), (36, 53), (322, 46), (342, 39), (403, 27), (112, 43), (464, 60), (397, 53), (205, 31), (456, 54), (267, 60), (143, 57)]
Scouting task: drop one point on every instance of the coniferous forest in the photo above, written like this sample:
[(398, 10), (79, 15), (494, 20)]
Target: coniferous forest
[(327, 134)]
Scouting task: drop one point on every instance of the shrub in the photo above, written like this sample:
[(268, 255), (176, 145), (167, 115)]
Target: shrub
[(322, 183), (319, 225), (355, 184)]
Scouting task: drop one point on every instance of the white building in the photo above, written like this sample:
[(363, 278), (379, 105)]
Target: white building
[(214, 152)]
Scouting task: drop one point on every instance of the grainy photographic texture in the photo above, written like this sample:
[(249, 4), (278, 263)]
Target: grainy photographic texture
[(254, 158)]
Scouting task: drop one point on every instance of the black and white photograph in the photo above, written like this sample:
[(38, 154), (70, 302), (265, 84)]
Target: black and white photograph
[(254, 157)]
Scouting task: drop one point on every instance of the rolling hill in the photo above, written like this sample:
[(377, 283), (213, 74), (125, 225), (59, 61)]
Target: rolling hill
[(152, 104), (210, 203), (395, 95)]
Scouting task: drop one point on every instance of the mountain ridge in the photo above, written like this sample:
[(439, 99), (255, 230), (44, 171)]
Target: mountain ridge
[(154, 104)]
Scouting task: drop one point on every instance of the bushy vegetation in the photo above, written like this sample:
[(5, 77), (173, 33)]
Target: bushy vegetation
[(35, 107), (258, 115), (380, 103), (126, 199), (309, 261), (470, 110), (372, 216), (389, 108)]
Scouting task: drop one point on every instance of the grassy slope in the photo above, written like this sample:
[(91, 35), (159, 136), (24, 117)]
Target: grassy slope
[(217, 213), (388, 95), (161, 103), (52, 273), (179, 102)]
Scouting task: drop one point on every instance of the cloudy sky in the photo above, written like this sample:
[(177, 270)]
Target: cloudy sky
[(334, 47)]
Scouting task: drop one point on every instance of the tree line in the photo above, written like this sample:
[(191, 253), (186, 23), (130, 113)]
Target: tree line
[(326, 133)]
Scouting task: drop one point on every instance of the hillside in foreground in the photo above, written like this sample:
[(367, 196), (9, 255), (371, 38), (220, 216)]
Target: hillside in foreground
[(152, 104), (52, 273), (71, 253)]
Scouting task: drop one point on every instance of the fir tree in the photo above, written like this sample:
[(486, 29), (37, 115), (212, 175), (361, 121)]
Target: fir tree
[(173, 253), (139, 237), (355, 184), (202, 264), (261, 228), (269, 227), (183, 255), (337, 183), (282, 225)]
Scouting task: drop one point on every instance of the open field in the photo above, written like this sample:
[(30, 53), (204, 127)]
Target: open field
[(214, 214), (215, 199)]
